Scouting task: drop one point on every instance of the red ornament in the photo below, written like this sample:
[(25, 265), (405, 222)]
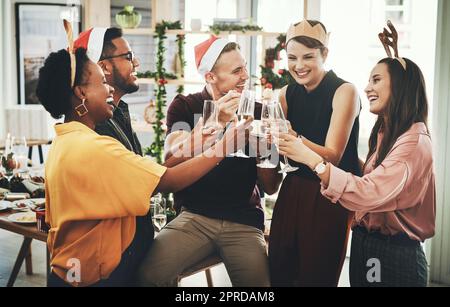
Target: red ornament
[(283, 45), (162, 81), (281, 72), (269, 86)]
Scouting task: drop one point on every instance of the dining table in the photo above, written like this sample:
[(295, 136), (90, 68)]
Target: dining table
[(29, 233)]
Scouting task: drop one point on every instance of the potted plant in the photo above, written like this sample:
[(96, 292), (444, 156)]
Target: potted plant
[(128, 17)]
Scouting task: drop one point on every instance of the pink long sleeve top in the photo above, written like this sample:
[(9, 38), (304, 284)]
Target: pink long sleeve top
[(398, 196)]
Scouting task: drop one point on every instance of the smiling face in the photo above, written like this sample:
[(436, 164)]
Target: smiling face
[(121, 71), (98, 94), (229, 73), (379, 89), (306, 65)]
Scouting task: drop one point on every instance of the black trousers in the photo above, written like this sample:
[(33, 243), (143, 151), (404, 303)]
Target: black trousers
[(382, 261)]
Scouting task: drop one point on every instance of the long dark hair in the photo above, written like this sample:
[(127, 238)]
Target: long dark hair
[(408, 105)]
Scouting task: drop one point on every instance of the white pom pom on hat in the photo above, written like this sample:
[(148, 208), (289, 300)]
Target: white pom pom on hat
[(92, 41)]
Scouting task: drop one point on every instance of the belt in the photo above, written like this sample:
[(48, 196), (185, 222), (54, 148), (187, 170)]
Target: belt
[(401, 239)]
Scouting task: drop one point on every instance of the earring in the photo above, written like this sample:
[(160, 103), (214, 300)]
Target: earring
[(82, 109)]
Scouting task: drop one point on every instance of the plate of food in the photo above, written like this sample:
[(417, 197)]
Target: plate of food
[(26, 218), (23, 205)]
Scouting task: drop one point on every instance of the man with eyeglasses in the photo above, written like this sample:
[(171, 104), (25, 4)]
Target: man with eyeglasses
[(113, 54)]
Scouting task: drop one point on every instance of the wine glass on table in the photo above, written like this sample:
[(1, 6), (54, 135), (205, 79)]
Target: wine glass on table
[(278, 124), (20, 149), (159, 213), (8, 159), (245, 111)]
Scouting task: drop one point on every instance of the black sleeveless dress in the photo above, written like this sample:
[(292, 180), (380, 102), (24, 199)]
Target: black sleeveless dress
[(308, 237)]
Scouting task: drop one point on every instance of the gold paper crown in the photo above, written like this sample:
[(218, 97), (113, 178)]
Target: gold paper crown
[(304, 28)]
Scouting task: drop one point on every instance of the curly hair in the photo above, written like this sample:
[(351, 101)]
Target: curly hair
[(53, 89)]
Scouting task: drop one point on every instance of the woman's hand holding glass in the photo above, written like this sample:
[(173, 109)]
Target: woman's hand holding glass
[(264, 146), (200, 139), (293, 148), (278, 126)]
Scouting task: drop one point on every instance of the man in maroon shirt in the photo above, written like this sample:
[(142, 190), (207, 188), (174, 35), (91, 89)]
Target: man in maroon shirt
[(221, 213)]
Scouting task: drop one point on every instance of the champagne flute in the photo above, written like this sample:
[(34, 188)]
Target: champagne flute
[(266, 116), (159, 214), (245, 111), (20, 149), (210, 116), (279, 125), (8, 160)]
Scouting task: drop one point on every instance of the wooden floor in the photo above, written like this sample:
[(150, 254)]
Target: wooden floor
[(9, 248)]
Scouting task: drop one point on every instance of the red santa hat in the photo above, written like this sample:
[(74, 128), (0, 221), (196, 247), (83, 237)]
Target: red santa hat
[(207, 53), (92, 41)]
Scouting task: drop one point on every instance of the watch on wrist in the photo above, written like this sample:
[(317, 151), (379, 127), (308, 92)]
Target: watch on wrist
[(320, 168)]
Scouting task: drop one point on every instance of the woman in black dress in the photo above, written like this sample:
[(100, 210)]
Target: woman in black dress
[(309, 236)]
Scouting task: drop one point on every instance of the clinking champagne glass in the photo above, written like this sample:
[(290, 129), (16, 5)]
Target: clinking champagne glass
[(210, 116), (245, 111), (279, 124), (159, 214), (266, 116)]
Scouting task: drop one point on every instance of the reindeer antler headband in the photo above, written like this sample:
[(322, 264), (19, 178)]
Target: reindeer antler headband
[(390, 39), (71, 50)]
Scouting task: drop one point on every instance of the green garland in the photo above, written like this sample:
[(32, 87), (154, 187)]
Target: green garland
[(181, 42), (270, 79), (156, 149), (161, 76), (216, 29), (154, 74)]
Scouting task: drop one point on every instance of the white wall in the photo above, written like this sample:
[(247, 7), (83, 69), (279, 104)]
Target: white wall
[(2, 77), (440, 261), (8, 81)]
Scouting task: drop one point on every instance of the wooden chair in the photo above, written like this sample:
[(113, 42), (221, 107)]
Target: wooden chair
[(204, 265)]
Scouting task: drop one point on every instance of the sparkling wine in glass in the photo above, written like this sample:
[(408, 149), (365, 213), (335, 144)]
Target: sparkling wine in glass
[(279, 125), (245, 111), (268, 109)]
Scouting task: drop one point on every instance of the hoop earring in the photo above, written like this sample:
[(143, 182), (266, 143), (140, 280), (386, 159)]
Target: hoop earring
[(82, 109)]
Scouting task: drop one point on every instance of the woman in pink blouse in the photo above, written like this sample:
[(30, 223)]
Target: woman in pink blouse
[(394, 202)]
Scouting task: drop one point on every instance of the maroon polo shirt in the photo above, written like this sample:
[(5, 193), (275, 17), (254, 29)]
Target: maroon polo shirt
[(229, 191)]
